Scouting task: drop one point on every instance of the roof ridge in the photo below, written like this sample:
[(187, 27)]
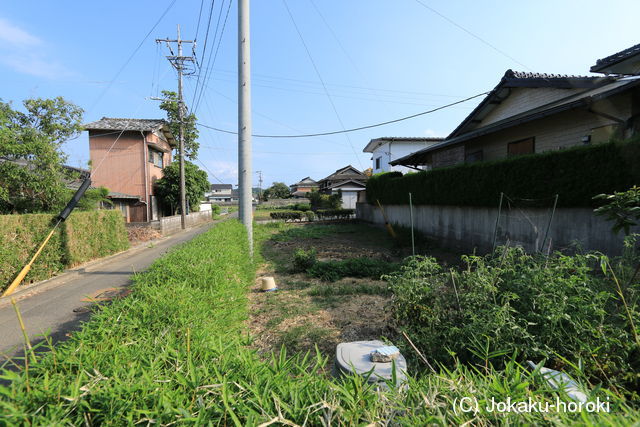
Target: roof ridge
[(510, 74)]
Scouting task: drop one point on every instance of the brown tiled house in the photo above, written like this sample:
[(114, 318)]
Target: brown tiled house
[(303, 187), (127, 157)]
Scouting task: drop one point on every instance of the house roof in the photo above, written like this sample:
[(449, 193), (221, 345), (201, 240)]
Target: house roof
[(124, 124), (604, 65), (375, 143), (358, 183), (345, 173), (305, 181), (572, 101), (518, 79), (117, 195), (221, 186)]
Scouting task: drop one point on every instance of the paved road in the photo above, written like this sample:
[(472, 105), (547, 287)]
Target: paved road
[(61, 305)]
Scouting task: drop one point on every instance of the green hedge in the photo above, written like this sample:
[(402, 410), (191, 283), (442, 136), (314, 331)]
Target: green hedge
[(335, 213), (575, 174), (84, 236)]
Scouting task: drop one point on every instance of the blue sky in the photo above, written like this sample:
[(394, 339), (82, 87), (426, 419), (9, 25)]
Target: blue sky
[(376, 60)]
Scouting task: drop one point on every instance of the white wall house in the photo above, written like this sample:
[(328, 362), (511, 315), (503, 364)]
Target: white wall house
[(386, 149), (219, 193)]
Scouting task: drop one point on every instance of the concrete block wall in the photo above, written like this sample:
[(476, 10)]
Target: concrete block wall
[(172, 224), (469, 228)]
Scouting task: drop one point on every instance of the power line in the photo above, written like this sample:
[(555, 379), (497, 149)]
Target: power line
[(210, 173), (309, 135), (335, 110), (133, 54), (204, 49), (477, 37), (215, 55), (199, 17)]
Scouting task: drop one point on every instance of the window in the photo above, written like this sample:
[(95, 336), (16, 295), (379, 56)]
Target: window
[(378, 162), (475, 156), (155, 157), (524, 146)]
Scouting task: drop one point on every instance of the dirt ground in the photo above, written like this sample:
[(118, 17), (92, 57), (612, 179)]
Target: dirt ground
[(305, 311)]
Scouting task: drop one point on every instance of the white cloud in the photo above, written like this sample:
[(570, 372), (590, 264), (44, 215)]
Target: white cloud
[(227, 172), (35, 60), (13, 35), (36, 65)]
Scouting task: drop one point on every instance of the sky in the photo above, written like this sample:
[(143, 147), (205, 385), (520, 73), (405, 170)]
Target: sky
[(317, 66)]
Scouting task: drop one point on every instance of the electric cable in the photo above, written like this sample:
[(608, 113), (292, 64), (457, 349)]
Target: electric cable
[(309, 135)]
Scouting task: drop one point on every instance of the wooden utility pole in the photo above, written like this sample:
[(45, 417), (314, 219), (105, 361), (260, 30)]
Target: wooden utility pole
[(244, 121), (178, 61)]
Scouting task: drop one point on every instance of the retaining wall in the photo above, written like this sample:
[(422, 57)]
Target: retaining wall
[(469, 228), (172, 224)]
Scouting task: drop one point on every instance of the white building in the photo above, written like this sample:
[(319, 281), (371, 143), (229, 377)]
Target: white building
[(386, 149)]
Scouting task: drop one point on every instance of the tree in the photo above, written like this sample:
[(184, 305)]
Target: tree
[(168, 187), (31, 160), (279, 190), (191, 144), (325, 201)]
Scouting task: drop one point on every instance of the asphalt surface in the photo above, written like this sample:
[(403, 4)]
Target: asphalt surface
[(59, 306)]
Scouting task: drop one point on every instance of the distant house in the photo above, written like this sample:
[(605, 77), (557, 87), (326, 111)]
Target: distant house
[(348, 180), (385, 150), (303, 187), (127, 157), (219, 193), (533, 113)]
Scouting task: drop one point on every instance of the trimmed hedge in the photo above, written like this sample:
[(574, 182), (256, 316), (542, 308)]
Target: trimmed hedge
[(575, 174), (287, 215), (335, 213), (84, 236)]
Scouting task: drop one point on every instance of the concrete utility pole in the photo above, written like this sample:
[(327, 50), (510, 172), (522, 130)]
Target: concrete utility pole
[(244, 121), (259, 186), (179, 63)]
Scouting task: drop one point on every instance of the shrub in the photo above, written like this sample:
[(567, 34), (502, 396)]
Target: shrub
[(287, 215), (215, 210), (82, 237), (311, 216), (304, 260), (331, 271), (534, 307), (335, 213), (623, 208), (325, 201), (575, 174)]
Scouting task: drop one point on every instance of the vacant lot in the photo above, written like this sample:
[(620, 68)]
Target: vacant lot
[(307, 310)]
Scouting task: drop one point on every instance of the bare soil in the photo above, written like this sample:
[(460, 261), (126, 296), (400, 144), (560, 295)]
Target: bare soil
[(306, 312)]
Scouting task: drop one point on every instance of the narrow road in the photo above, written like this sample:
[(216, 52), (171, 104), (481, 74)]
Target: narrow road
[(61, 308)]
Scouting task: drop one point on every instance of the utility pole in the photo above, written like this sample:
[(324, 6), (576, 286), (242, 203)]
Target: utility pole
[(259, 186), (244, 121), (178, 63)]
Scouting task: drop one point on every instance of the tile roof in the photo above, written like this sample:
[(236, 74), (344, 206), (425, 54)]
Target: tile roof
[(530, 75), (616, 57), (109, 123), (221, 186)]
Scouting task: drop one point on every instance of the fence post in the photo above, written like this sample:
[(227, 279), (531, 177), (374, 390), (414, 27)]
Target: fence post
[(495, 230), (413, 243)]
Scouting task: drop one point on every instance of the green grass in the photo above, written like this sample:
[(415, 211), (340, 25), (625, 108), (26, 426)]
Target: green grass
[(354, 289), (176, 352)]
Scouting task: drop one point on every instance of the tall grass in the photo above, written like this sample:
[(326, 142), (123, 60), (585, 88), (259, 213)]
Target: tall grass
[(176, 352)]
